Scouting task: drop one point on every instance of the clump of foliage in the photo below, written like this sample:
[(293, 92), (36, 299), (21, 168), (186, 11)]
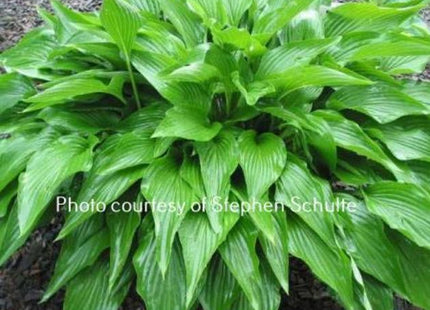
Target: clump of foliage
[(263, 100)]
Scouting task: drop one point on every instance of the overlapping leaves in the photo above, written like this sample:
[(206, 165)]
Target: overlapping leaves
[(213, 103)]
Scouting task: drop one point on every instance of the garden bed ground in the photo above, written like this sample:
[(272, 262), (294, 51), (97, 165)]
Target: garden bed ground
[(24, 277)]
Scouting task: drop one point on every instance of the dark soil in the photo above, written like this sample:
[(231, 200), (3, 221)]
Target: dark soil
[(26, 275)]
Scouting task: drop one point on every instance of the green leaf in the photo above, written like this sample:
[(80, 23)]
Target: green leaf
[(235, 10), (188, 95), (101, 189), (219, 158), (145, 119), (195, 73), (30, 54), (415, 269), (150, 279), (298, 188), (268, 24), (384, 104), (163, 185), (45, 172), (13, 88), (194, 125), (254, 90), (285, 57), (11, 238), (122, 22), (316, 129), (199, 243), (122, 151), (355, 17), (379, 295), (407, 138), (313, 75), (398, 46), (89, 290), (277, 252), (6, 196), (122, 226), (72, 89), (91, 122), (329, 264), (239, 38), (80, 250), (404, 207), (220, 280), (210, 11), (240, 247), (388, 259), (14, 155), (185, 21), (262, 159), (349, 135)]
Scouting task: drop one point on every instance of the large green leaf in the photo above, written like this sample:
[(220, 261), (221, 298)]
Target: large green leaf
[(199, 243), (280, 59), (78, 251), (349, 135), (240, 247), (398, 46), (45, 172), (91, 122), (72, 89), (13, 88), (219, 158), (122, 151), (404, 207), (152, 6), (277, 252), (330, 265), (355, 17), (151, 281), (163, 186), (14, 155), (219, 279), (30, 53), (122, 22), (316, 129), (100, 189), (262, 159), (299, 190), (235, 10), (384, 104), (210, 11), (185, 21), (90, 290), (122, 226), (387, 259), (11, 238), (6, 196), (314, 75), (268, 24), (193, 125), (407, 138), (240, 39)]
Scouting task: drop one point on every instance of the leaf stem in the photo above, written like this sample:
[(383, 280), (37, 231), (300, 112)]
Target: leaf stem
[(133, 82)]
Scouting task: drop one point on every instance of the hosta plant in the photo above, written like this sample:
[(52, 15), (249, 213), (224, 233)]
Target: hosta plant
[(190, 103)]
